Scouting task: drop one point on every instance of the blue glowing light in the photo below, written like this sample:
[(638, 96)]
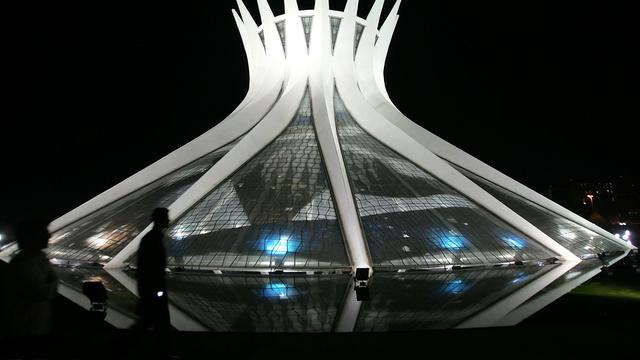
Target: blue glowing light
[(451, 242), (519, 278), (455, 286), (280, 245), (446, 239), (279, 290), (514, 242)]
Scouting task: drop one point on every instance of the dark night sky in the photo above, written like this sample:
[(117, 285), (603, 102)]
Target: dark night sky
[(542, 90)]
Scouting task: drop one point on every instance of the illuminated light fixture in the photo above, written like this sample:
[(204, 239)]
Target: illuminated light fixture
[(626, 236)]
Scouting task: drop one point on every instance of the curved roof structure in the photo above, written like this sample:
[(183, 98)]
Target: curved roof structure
[(318, 171)]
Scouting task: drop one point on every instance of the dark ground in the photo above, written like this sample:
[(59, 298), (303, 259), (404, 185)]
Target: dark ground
[(598, 319)]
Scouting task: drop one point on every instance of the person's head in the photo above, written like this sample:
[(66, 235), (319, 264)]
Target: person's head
[(32, 234), (160, 218)]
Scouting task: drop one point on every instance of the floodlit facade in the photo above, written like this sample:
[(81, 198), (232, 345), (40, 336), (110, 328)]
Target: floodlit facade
[(317, 172)]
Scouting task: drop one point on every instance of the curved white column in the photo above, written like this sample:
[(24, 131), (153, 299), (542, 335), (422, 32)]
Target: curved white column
[(321, 84), (374, 89), (387, 133)]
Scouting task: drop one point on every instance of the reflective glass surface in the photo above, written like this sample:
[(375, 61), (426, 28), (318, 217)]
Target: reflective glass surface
[(261, 34), (422, 301), (304, 304), (335, 27), (578, 239), (119, 298), (276, 211), (102, 234), (283, 35), (307, 22), (411, 219), (356, 43)]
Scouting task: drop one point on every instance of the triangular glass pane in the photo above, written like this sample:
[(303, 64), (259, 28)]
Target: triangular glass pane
[(356, 43), (275, 212), (335, 27), (261, 34), (412, 219), (283, 35), (102, 234), (576, 238), (307, 22)]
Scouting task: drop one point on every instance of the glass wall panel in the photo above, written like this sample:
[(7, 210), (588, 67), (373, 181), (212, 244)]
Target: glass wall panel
[(411, 219), (578, 239), (302, 304), (261, 34), (102, 234), (422, 301), (335, 27), (283, 35), (356, 43), (275, 212), (307, 22)]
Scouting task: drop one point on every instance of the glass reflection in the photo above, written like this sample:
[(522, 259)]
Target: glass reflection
[(305, 304), (423, 301)]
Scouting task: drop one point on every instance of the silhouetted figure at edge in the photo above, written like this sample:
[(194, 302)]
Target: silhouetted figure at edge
[(153, 306), (29, 287)]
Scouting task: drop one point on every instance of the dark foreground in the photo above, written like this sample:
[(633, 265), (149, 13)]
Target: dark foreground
[(600, 319)]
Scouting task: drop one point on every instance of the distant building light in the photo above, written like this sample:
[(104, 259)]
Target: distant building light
[(626, 236), (622, 223)]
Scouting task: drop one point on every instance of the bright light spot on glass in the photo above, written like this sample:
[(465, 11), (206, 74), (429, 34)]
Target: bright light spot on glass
[(406, 249), (616, 236), (1, 237), (279, 290), (450, 240), (626, 236), (105, 257), (570, 236), (519, 278), (454, 286), (97, 241), (160, 293), (514, 242), (280, 246), (403, 235)]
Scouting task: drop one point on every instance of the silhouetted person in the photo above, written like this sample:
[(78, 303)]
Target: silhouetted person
[(30, 285), (153, 307)]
